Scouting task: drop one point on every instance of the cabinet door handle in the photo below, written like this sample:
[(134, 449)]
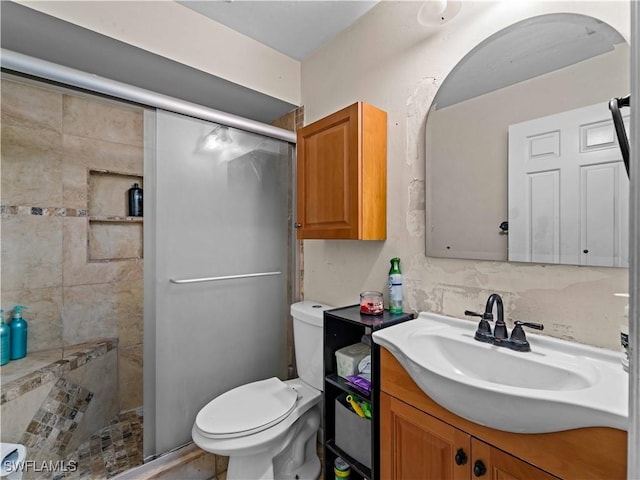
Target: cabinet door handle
[(461, 457), (479, 469)]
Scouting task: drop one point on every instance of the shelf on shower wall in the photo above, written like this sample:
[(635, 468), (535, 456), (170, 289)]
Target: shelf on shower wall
[(112, 234), (104, 219), (108, 193)]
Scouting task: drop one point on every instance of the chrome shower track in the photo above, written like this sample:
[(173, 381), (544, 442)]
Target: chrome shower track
[(17, 62)]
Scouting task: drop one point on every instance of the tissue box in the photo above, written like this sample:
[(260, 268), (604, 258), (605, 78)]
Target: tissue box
[(348, 358), (353, 433)]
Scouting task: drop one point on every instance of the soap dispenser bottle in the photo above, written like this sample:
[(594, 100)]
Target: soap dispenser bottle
[(18, 334), (5, 337)]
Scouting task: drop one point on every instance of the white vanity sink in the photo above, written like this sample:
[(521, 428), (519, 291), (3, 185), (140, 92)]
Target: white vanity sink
[(559, 385)]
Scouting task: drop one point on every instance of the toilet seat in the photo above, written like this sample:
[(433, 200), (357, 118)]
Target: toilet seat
[(247, 409)]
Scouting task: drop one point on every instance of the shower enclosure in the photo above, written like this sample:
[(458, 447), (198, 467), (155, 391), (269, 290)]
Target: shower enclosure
[(218, 257)]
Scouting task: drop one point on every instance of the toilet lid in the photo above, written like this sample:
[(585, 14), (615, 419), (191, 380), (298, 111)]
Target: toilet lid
[(247, 409)]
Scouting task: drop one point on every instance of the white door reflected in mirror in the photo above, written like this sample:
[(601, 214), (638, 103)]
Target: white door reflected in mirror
[(568, 190)]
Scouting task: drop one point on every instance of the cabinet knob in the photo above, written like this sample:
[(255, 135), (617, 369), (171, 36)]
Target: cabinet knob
[(479, 468), (461, 457), (297, 225)]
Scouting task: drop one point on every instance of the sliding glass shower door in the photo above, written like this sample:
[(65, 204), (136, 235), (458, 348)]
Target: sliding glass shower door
[(217, 203)]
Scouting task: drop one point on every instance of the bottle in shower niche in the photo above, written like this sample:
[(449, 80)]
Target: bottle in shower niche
[(5, 337), (395, 286), (18, 334), (135, 201)]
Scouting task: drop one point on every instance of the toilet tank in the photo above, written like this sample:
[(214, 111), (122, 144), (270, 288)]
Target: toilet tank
[(308, 340)]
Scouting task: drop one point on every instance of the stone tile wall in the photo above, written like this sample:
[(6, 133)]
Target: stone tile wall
[(59, 406), (51, 142)]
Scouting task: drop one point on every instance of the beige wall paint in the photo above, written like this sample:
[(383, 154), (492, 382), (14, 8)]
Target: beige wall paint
[(178, 33), (389, 60)]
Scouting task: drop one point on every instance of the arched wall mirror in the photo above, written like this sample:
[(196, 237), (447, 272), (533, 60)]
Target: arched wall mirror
[(531, 78)]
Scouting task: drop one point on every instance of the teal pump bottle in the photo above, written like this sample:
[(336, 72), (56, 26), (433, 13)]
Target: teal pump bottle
[(5, 337), (18, 334)]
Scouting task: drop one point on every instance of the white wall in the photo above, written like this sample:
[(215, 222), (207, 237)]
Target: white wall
[(168, 29), (389, 60)]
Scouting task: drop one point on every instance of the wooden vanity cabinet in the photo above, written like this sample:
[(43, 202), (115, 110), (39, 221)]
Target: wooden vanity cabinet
[(414, 445), (420, 440), (419, 446), (342, 175), (502, 466)]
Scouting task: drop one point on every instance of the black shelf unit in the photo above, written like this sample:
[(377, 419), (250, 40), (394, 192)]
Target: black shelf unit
[(343, 327)]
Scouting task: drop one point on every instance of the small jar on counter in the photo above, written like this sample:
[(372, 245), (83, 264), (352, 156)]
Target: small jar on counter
[(371, 303)]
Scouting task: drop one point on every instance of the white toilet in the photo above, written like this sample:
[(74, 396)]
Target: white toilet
[(268, 428)]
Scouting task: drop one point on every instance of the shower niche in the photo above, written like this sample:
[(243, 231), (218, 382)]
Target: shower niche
[(112, 234)]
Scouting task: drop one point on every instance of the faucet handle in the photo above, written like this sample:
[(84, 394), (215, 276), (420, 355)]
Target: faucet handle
[(483, 333), (518, 340), (536, 326)]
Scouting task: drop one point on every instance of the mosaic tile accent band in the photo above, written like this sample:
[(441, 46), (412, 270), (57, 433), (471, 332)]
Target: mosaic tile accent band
[(6, 210), (20, 386), (112, 450), (50, 431)]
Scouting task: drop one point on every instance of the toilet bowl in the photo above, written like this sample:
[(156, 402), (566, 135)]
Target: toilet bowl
[(252, 452), (268, 428)]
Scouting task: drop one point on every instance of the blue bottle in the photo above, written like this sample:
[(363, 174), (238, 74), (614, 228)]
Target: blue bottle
[(18, 334), (5, 337)]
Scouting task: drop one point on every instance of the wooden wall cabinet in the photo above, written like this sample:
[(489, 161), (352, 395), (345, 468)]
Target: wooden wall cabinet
[(419, 439), (342, 175)]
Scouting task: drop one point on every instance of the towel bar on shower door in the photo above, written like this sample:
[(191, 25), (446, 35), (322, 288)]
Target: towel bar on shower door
[(227, 277)]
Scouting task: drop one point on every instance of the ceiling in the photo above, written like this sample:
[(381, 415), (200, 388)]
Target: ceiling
[(295, 28)]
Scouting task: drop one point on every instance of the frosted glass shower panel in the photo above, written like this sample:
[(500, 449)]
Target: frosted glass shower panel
[(222, 210)]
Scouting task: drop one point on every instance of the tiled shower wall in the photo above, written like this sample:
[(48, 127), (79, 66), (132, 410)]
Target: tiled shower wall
[(54, 145)]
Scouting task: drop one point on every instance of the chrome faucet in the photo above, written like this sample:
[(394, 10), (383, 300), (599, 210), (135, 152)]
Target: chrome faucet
[(500, 335)]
